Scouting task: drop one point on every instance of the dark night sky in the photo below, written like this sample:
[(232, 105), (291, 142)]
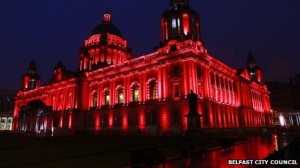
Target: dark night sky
[(49, 31)]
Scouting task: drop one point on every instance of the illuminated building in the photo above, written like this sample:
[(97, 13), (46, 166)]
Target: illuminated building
[(113, 92)]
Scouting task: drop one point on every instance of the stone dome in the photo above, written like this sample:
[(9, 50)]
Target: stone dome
[(106, 27)]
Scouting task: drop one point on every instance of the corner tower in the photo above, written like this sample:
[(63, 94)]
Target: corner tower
[(254, 70), (104, 47), (180, 22), (31, 79)]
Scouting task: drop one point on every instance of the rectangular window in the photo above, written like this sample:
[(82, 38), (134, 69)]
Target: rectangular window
[(104, 119), (186, 24), (176, 69), (132, 119), (175, 116), (178, 27), (136, 95), (176, 91), (173, 23), (151, 118), (117, 120), (212, 79)]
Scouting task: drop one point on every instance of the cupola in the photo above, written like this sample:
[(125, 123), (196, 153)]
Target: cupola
[(180, 22), (104, 47)]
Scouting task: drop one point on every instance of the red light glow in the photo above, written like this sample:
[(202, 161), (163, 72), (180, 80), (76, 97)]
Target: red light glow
[(186, 24)]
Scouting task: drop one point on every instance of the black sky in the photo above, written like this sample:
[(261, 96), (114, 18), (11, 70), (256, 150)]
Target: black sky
[(49, 31)]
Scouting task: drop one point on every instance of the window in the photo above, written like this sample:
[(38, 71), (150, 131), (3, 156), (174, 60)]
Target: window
[(152, 90), (176, 27), (108, 59), (176, 88), (32, 83), (218, 81), (70, 100), (178, 23), (200, 87), (252, 74), (135, 93), (176, 69), (212, 79), (173, 23), (176, 91), (151, 118), (61, 101), (132, 119), (104, 120), (106, 97), (95, 99), (186, 24), (117, 120), (175, 116), (120, 95)]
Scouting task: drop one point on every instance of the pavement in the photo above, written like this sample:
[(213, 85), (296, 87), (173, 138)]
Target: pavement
[(84, 150)]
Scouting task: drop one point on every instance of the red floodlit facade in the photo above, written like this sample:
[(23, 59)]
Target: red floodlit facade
[(113, 92)]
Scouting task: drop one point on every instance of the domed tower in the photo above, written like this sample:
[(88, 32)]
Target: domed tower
[(59, 71), (180, 22), (104, 47), (31, 79), (255, 71)]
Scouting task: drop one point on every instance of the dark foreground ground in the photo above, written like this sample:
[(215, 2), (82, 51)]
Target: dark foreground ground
[(84, 150)]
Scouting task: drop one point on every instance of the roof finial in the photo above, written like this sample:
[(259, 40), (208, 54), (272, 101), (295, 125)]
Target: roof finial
[(107, 17)]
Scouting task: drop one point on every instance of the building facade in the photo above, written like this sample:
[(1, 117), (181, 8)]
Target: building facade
[(7, 103), (113, 92), (285, 102)]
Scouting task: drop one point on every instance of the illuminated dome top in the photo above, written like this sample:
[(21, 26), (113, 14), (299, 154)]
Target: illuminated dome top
[(106, 27)]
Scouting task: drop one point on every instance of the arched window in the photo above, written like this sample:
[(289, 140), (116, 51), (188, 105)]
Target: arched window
[(176, 27), (120, 92), (95, 99), (106, 97), (152, 90), (70, 100), (32, 84), (200, 87), (135, 92)]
